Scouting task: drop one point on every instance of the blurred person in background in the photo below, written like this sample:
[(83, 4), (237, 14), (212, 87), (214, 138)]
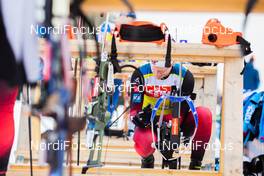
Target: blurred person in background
[(251, 76), (19, 65)]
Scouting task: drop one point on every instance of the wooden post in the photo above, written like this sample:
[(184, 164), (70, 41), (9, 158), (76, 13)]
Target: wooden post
[(210, 101), (232, 119)]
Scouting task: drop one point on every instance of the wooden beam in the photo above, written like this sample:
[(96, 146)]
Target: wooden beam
[(181, 52), (150, 172), (41, 170), (171, 5), (198, 72), (126, 75), (90, 64)]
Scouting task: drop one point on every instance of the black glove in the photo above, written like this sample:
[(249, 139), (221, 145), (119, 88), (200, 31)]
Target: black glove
[(142, 119)]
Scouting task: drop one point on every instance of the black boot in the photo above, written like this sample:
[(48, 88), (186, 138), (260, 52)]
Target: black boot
[(247, 169), (195, 164), (148, 162), (174, 164)]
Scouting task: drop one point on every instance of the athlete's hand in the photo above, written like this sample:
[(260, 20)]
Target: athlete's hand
[(142, 119)]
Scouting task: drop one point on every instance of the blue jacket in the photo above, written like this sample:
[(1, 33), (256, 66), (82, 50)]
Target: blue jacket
[(253, 129), (251, 77)]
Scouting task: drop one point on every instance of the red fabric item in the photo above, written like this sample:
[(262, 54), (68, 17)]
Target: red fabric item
[(7, 101)]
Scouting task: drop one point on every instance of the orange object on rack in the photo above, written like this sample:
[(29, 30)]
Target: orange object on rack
[(214, 33)]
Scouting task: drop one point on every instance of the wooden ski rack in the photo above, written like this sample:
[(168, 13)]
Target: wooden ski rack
[(231, 119)]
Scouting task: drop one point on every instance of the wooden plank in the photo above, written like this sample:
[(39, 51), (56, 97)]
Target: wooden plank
[(146, 51), (205, 70), (199, 90), (210, 101), (171, 5), (41, 170), (232, 121), (198, 72), (137, 50), (90, 64), (126, 75), (210, 93), (149, 172)]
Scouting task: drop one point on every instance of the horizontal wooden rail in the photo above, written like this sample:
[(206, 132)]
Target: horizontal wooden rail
[(19, 170), (148, 51)]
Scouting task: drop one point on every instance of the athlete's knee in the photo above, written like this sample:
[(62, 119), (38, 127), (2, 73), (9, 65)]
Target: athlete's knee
[(204, 115), (7, 133), (143, 142), (204, 123)]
